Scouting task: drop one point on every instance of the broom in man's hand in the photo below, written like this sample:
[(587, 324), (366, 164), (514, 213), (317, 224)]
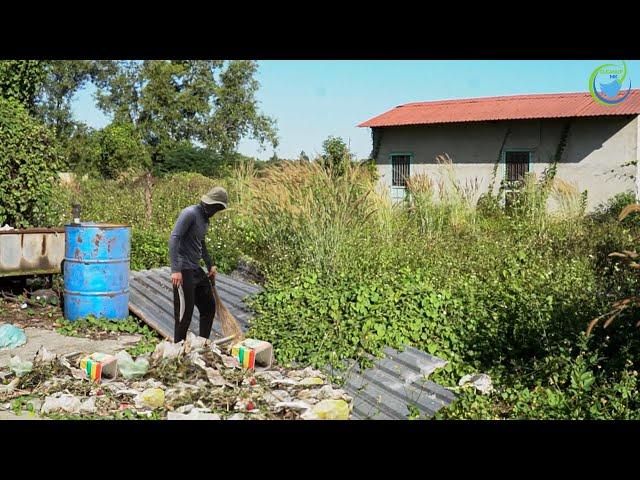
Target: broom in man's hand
[(228, 323)]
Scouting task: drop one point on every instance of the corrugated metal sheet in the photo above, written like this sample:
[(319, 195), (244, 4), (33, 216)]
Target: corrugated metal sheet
[(151, 298), (388, 389), (516, 107)]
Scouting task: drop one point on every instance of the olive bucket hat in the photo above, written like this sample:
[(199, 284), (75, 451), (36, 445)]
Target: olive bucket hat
[(215, 195)]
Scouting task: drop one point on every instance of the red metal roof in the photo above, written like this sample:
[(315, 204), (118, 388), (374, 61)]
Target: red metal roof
[(553, 105)]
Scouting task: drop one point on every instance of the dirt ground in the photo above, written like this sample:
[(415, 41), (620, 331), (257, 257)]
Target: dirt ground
[(40, 323)]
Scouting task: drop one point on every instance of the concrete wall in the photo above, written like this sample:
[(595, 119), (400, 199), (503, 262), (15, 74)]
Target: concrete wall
[(595, 147)]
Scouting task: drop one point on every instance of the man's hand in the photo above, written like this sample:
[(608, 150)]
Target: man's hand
[(176, 279), (213, 272)]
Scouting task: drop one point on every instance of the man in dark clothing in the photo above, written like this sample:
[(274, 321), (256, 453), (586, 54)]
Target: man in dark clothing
[(191, 286)]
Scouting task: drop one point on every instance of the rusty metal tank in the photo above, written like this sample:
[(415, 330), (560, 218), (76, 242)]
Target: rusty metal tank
[(31, 251), (96, 271)]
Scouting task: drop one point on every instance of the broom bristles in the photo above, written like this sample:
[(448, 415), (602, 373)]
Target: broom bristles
[(228, 323)]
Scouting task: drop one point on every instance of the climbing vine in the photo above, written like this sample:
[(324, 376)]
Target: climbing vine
[(376, 138)]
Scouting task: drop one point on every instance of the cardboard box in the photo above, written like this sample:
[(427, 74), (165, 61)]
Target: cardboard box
[(99, 366), (251, 353)]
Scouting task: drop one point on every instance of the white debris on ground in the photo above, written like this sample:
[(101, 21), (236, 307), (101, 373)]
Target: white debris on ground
[(190, 380), (480, 381)]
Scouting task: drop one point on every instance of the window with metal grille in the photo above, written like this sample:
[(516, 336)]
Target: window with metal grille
[(400, 165), (517, 164)]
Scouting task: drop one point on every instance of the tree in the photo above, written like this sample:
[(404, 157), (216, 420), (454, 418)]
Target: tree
[(174, 101), (82, 150), (303, 157), (120, 149), (61, 81), (22, 80), (335, 155), (28, 163)]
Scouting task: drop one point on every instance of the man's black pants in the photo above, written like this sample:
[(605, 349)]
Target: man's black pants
[(197, 291)]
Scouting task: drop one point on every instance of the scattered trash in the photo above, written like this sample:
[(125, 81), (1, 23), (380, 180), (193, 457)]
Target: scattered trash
[(10, 387), (215, 377), (151, 398), (44, 356), (192, 380), (100, 365), (11, 336), (329, 410), (61, 402), (45, 297), (166, 350), (194, 414), (6, 227), (297, 405), (88, 406), (23, 306), (251, 352), (481, 382), (130, 368), (194, 342), (35, 404), (311, 381), (20, 368), (230, 362)]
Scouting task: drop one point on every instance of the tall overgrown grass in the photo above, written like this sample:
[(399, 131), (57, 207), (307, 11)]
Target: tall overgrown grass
[(503, 290)]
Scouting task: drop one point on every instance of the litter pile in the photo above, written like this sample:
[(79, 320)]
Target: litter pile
[(190, 380)]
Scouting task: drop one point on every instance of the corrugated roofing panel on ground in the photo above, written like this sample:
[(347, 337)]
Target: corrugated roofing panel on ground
[(395, 385), (515, 107), (151, 299)]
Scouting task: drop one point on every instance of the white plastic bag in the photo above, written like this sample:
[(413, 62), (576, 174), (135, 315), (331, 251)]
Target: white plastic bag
[(129, 368), (60, 402), (19, 367)]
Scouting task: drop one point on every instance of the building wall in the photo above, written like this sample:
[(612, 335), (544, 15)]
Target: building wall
[(596, 148)]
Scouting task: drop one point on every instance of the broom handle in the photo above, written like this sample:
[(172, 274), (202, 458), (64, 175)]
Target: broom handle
[(216, 297)]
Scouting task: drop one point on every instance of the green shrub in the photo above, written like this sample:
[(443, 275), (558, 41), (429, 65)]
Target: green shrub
[(187, 158), (29, 159), (508, 294), (120, 150)]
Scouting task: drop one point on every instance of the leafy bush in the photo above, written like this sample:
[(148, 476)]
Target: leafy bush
[(29, 159), (187, 158), (505, 293), (120, 150)]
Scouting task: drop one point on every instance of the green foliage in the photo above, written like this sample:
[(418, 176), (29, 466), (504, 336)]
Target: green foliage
[(505, 293), (175, 101), (335, 155), (121, 150), (62, 80), (149, 249), (123, 201), (22, 80), (82, 151), (509, 295), (187, 158), (612, 208), (29, 159)]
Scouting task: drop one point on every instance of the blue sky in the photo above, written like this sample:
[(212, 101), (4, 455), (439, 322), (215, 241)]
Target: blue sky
[(312, 99)]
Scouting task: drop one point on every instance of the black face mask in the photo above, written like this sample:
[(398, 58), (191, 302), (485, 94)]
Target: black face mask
[(210, 210)]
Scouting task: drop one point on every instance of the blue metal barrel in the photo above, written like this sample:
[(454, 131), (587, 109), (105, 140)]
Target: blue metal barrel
[(96, 271)]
